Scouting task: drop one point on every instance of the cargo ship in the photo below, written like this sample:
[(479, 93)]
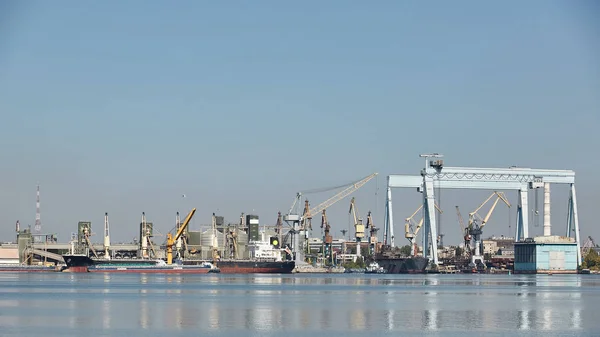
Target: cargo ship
[(264, 259), (249, 266), (83, 264)]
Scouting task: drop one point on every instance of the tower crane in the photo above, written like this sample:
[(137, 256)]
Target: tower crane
[(171, 240), (476, 224), (359, 228), (302, 223), (411, 229)]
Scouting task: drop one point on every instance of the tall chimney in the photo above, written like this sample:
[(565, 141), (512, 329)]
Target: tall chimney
[(547, 225)]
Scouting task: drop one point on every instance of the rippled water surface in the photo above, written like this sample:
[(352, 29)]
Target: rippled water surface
[(61, 304)]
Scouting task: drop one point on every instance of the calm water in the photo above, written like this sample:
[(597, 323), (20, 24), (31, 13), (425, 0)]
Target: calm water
[(60, 304)]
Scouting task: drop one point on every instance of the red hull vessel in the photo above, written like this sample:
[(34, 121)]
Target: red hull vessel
[(251, 266)]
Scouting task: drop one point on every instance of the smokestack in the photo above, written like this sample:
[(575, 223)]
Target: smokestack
[(547, 225)]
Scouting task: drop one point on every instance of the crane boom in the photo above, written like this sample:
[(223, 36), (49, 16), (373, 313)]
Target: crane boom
[(474, 216), (341, 195), (461, 221), (171, 240)]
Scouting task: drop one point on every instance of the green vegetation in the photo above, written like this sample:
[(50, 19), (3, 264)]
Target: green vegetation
[(458, 251), (360, 263), (405, 250), (591, 261)]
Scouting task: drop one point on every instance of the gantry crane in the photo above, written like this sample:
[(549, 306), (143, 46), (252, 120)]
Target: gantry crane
[(302, 223), (359, 228), (476, 224), (411, 229), (172, 240)]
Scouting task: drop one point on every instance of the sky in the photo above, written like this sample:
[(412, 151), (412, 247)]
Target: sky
[(126, 107)]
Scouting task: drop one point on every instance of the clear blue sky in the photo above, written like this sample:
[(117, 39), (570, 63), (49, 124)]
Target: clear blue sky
[(122, 107)]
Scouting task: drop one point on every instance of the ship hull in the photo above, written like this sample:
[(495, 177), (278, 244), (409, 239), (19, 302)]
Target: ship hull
[(84, 264), (409, 265), (153, 270), (253, 267)]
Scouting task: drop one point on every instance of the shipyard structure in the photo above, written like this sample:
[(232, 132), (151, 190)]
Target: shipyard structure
[(294, 239)]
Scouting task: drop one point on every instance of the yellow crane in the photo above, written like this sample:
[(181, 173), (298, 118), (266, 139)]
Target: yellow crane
[(481, 221), (410, 233), (172, 240), (359, 228)]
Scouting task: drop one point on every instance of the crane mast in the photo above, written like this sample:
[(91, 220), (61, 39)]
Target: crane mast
[(106, 237), (359, 228), (464, 232), (372, 234), (327, 238)]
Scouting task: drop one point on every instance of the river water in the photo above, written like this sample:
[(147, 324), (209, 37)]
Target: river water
[(63, 304)]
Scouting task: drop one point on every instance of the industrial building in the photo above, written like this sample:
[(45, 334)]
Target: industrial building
[(546, 254)]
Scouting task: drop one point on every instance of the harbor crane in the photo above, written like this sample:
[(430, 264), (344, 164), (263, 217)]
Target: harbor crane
[(411, 229), (301, 224), (327, 238), (476, 224), (372, 234), (171, 240), (359, 228), (466, 236)]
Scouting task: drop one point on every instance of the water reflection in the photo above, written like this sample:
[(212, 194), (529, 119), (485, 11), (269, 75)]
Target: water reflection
[(273, 303), (144, 314), (106, 314)]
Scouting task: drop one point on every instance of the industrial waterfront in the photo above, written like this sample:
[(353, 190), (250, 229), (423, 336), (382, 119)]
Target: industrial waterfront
[(249, 246), (58, 304)]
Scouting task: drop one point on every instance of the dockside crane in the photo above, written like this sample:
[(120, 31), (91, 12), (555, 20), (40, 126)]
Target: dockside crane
[(359, 228), (372, 234), (171, 240), (327, 238), (302, 223), (466, 236), (476, 224), (411, 229)]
